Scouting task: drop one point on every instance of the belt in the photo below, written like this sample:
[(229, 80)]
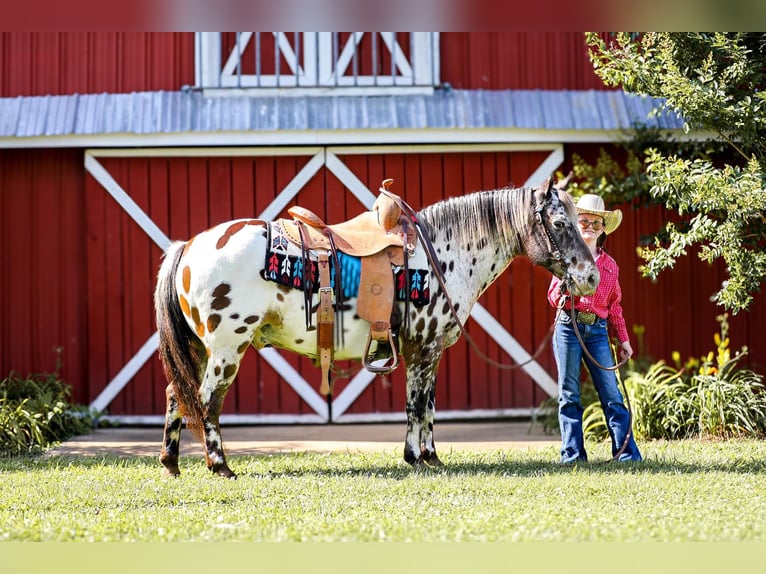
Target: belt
[(585, 317), (582, 317)]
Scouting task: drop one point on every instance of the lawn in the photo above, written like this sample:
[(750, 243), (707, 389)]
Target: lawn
[(684, 491)]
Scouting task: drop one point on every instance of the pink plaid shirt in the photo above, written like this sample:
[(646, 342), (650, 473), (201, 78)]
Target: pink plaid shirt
[(606, 301)]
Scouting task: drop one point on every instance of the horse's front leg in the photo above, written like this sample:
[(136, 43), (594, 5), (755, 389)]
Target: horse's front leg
[(422, 366), (171, 435)]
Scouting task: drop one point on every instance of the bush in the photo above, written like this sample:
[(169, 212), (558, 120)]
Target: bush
[(35, 413), (708, 397)]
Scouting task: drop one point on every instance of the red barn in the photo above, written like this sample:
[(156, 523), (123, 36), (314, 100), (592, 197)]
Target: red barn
[(112, 144)]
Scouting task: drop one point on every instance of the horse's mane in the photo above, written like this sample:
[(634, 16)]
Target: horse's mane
[(501, 213)]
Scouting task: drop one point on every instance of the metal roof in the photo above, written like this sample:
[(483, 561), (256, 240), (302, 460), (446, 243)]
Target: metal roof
[(163, 113)]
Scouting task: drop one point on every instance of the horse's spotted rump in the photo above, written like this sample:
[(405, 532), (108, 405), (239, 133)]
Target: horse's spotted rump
[(213, 321), (229, 370), (184, 305), (240, 330), (220, 300), (199, 327), (251, 319), (186, 278), (217, 370), (243, 347)]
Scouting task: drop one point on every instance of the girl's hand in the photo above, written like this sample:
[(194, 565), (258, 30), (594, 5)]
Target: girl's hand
[(626, 351)]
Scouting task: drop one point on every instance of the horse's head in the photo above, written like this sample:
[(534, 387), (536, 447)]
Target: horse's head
[(555, 243)]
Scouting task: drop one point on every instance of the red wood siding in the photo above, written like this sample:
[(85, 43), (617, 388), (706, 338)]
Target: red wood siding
[(43, 284), (77, 273), (517, 60), (39, 63)]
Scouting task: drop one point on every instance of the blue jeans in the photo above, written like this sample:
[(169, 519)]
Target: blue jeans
[(569, 355)]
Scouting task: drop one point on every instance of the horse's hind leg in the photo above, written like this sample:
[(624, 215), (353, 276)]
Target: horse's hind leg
[(218, 377), (171, 435)]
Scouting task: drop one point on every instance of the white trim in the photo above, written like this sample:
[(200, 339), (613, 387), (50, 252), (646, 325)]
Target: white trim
[(453, 415), (547, 168), (205, 152), (126, 374), (225, 420), (355, 387), (313, 150), (349, 419), (356, 137), (349, 179), (138, 215), (518, 353), (291, 189), (297, 382)]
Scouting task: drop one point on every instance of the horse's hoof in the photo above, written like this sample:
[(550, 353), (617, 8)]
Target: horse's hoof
[(430, 459), (411, 459), (171, 472), (224, 471)]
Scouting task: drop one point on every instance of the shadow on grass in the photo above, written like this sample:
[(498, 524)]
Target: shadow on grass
[(499, 464)]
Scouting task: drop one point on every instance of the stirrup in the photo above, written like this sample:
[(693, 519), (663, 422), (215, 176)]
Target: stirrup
[(386, 368)]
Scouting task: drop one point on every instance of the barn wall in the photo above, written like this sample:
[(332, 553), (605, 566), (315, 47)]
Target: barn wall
[(77, 274), (43, 286), (40, 63), (517, 60)]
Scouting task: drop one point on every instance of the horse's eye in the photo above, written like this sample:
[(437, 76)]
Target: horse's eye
[(559, 224)]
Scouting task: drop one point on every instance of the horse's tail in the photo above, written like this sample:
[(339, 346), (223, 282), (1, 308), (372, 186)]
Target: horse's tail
[(180, 349)]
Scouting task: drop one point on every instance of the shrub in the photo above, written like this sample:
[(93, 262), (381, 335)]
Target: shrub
[(708, 397), (35, 413)]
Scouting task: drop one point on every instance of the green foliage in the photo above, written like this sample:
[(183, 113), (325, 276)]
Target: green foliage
[(35, 413), (716, 83), (709, 397)]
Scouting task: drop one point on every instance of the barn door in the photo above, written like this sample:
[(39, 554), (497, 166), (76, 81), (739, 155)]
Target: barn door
[(136, 203)]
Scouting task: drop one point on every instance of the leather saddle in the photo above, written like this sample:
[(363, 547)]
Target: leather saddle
[(381, 238)]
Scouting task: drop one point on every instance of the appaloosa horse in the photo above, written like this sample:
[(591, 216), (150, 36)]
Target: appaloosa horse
[(213, 302)]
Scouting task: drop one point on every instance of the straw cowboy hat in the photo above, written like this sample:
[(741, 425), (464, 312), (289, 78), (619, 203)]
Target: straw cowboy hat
[(593, 204)]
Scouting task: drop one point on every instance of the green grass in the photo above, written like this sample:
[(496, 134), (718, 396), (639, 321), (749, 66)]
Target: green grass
[(683, 491)]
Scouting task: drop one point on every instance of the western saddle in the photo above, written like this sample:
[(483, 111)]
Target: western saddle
[(379, 237)]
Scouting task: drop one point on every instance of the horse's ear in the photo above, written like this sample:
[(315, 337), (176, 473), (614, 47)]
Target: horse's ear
[(564, 182), (547, 187)]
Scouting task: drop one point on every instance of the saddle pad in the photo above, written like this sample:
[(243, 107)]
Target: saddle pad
[(287, 269)]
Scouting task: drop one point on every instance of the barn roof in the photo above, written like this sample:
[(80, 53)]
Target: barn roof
[(186, 116)]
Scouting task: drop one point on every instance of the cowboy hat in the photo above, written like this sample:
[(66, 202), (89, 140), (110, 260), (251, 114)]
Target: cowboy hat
[(590, 203)]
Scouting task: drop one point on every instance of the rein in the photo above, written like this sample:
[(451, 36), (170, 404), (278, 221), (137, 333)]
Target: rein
[(600, 366)]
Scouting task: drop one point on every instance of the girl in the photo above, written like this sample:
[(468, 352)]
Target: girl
[(593, 314)]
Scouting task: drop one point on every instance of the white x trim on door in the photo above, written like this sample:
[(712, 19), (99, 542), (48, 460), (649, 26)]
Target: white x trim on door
[(320, 157)]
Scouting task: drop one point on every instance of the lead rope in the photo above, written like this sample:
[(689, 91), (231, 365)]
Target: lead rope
[(600, 366)]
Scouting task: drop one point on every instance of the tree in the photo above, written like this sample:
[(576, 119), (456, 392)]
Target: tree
[(716, 82)]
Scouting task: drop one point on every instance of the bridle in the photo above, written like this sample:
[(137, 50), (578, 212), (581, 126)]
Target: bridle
[(552, 246)]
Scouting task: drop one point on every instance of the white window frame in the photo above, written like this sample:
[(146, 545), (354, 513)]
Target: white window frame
[(317, 71)]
